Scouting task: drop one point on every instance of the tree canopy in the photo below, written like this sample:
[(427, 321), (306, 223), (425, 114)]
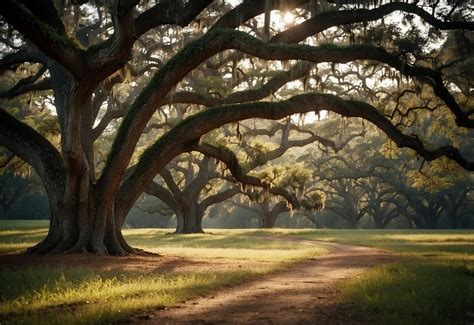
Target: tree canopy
[(146, 81)]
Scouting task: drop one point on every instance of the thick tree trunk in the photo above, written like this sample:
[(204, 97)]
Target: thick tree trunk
[(83, 218), (189, 220), (80, 229), (268, 220)]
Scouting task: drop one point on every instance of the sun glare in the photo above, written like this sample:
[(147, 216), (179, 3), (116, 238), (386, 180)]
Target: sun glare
[(288, 18)]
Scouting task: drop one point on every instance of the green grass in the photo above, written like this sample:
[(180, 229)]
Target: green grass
[(15, 224), (34, 296), (432, 284), (58, 296), (414, 292), (450, 244), (220, 244)]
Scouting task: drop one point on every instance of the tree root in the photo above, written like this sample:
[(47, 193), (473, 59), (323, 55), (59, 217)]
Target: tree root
[(113, 245)]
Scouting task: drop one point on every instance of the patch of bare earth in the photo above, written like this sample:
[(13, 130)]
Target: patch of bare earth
[(305, 293)]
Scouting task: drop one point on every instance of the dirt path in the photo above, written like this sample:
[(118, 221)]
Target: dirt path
[(305, 293)]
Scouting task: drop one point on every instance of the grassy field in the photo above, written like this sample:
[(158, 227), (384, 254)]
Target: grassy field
[(432, 283), (83, 296)]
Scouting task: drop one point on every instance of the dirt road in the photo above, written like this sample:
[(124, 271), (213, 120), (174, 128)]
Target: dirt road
[(305, 293)]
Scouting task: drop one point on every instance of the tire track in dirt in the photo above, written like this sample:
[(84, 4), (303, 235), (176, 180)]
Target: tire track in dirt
[(304, 293)]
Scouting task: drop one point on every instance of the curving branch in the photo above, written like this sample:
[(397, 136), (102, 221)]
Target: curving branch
[(162, 193), (184, 136), (251, 8), (218, 40), (33, 148), (12, 60), (52, 42), (219, 197), (169, 12), (23, 87), (329, 19), (298, 71), (230, 159)]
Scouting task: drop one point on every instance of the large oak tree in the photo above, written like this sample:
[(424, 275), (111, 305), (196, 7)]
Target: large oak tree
[(88, 204)]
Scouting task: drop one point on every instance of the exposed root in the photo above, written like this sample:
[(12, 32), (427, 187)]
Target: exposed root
[(77, 249), (99, 248), (114, 246), (44, 246), (63, 246)]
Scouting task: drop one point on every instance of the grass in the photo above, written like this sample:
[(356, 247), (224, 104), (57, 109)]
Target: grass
[(414, 292), (34, 296), (15, 224), (433, 283), (220, 244), (79, 295)]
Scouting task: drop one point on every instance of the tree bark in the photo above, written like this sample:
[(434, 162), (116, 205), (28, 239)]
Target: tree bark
[(268, 220), (189, 220)]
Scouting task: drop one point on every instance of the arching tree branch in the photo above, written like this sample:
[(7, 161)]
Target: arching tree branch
[(33, 148), (329, 19), (218, 40), (50, 41), (184, 136), (169, 12)]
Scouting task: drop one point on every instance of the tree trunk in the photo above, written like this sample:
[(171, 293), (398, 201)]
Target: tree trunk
[(83, 218), (379, 222), (80, 225), (268, 220), (189, 220)]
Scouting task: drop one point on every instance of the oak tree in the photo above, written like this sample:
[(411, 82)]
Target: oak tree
[(80, 50)]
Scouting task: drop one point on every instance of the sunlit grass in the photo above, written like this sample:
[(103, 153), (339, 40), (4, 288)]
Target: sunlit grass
[(260, 255), (415, 292), (433, 282), (34, 296), (15, 240), (155, 238), (410, 242)]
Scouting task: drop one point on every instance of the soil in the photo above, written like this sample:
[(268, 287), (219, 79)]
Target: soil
[(304, 293)]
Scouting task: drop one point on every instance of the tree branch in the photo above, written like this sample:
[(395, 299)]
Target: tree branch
[(218, 40), (33, 148), (329, 19), (163, 194), (20, 89), (169, 12), (50, 41), (12, 60)]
